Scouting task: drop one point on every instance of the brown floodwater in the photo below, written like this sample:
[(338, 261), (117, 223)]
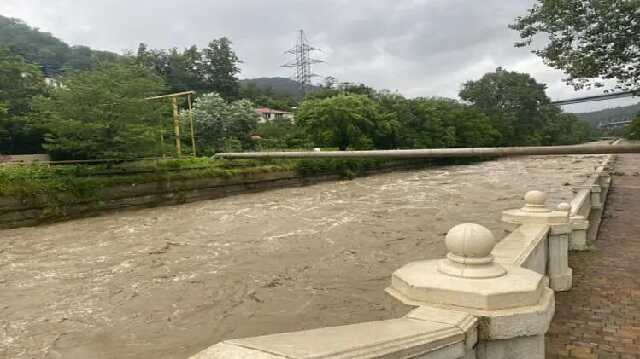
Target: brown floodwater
[(167, 282)]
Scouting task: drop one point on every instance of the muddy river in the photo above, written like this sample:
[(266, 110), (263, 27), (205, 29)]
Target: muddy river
[(170, 281)]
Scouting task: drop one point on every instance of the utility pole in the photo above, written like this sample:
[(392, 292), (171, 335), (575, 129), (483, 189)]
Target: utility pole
[(176, 120), (176, 125), (193, 138), (303, 61)]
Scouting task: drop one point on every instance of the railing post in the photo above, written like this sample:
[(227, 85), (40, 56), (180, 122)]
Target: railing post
[(560, 275), (595, 209), (596, 198), (513, 304), (579, 228), (536, 212)]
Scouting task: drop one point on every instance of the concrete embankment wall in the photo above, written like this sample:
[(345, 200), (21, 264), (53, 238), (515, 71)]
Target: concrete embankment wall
[(19, 212), (15, 212)]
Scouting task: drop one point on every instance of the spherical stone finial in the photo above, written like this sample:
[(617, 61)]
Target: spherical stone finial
[(534, 202), (469, 247), (470, 240), (564, 207)]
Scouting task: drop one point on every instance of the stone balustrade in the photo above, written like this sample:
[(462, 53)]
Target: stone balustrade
[(588, 204), (487, 299)]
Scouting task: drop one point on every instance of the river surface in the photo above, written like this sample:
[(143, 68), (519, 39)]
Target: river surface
[(167, 282)]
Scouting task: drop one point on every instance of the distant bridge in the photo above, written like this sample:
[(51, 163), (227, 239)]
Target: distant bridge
[(596, 98), (613, 125)]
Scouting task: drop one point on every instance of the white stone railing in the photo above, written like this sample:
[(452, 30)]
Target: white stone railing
[(587, 206), (486, 299), (423, 333)]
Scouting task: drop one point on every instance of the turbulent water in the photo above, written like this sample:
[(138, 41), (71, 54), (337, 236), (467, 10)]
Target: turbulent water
[(170, 281)]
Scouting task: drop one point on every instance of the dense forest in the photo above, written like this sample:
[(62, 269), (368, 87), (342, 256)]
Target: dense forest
[(277, 85), (96, 107), (52, 54)]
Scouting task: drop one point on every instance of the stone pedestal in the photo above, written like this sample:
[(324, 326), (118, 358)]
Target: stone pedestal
[(535, 211), (513, 305), (579, 226)]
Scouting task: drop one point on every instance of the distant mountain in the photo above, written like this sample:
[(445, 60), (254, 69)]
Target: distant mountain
[(279, 86), (610, 115), (42, 48)]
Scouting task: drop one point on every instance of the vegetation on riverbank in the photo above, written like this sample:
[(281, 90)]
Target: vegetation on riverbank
[(62, 185), (74, 183)]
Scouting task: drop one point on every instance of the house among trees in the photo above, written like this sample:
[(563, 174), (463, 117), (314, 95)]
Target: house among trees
[(268, 114)]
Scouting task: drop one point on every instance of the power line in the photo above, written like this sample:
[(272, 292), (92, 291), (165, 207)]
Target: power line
[(303, 61)]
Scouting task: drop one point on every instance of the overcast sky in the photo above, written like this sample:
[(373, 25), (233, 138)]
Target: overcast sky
[(417, 47)]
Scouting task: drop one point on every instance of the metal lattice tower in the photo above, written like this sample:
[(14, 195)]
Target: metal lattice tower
[(303, 61)]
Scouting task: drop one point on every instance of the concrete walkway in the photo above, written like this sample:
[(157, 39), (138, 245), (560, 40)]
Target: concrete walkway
[(600, 316)]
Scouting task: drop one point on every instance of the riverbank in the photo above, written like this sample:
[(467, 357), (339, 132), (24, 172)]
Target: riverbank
[(36, 194)]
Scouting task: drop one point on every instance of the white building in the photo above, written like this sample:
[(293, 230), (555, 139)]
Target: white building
[(269, 114)]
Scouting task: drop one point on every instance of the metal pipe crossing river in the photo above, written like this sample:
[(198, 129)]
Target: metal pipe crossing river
[(441, 152)]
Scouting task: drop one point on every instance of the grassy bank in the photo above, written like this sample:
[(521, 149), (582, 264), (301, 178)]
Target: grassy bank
[(60, 185), (57, 185)]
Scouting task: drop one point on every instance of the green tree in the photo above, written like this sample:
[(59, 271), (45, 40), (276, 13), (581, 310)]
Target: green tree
[(441, 122), (588, 39), (282, 133), (219, 67), (343, 121), (212, 69), (565, 129), (181, 70), (331, 89), (632, 131), (220, 124), (19, 83), (85, 59), (514, 101), (472, 128), (102, 114)]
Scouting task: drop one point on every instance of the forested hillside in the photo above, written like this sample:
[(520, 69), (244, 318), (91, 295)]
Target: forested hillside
[(47, 51), (277, 85), (610, 115)]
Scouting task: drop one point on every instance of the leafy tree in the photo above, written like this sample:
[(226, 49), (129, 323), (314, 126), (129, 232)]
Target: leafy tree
[(331, 89), (400, 115), (472, 128), (19, 83), (282, 133), (343, 121), (219, 67), (181, 70), (514, 101), (632, 131), (521, 111), (566, 129), (440, 122), (83, 58), (212, 69), (102, 114), (221, 125), (588, 39)]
